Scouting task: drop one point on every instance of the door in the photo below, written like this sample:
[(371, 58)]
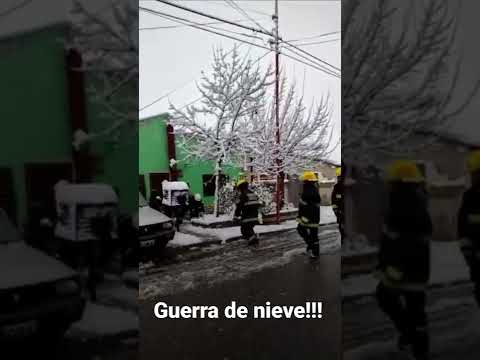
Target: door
[(7, 197), (40, 178)]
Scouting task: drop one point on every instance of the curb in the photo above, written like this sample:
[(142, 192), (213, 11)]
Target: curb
[(235, 238), (430, 287)]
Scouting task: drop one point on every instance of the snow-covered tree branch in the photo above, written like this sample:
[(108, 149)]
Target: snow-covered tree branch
[(108, 43), (399, 76), (231, 95), (305, 134)]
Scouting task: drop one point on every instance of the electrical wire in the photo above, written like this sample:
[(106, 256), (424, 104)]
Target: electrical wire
[(179, 26), (316, 36), (190, 23), (197, 12)]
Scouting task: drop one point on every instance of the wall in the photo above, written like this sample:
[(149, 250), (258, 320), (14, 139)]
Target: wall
[(34, 107)]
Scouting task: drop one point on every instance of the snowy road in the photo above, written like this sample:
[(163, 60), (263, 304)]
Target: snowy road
[(452, 314), (276, 272), (218, 263)]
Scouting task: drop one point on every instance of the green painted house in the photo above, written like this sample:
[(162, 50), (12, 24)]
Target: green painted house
[(154, 161), (43, 103)]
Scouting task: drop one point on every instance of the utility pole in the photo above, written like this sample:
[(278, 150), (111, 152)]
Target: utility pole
[(280, 174)]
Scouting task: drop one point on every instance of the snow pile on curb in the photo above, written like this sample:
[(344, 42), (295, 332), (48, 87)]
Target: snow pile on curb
[(448, 266), (184, 239), (100, 320), (191, 235)]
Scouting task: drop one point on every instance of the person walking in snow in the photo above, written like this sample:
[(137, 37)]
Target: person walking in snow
[(404, 258), (247, 211), (196, 206), (338, 203), (309, 213), (469, 223)]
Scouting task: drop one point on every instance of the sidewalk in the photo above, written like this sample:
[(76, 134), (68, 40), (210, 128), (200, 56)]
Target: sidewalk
[(193, 236), (447, 268)]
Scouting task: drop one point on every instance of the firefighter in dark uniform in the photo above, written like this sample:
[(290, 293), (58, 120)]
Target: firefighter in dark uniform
[(404, 258), (309, 213), (337, 202), (247, 211), (469, 223)]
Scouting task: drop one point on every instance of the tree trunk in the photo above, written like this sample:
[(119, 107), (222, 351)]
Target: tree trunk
[(217, 187)]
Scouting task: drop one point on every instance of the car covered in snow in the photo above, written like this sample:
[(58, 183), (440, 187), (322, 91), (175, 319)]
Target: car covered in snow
[(155, 229), (40, 297)]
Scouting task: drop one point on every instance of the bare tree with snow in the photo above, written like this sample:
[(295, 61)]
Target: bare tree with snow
[(108, 43), (305, 134), (399, 75), (216, 129)]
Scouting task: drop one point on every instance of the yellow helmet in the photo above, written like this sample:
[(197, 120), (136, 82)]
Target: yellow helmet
[(473, 162), (338, 171), (241, 181), (309, 176), (405, 171)]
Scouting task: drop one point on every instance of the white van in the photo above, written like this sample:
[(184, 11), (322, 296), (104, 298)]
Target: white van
[(155, 229)]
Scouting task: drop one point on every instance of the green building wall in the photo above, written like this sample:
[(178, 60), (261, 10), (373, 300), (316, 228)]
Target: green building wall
[(34, 108), (153, 158), (35, 116)]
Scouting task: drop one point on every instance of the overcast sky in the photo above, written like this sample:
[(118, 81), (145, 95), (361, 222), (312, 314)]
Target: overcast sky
[(172, 58)]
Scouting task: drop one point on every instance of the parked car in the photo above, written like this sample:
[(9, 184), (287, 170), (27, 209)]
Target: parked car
[(155, 230), (40, 297)]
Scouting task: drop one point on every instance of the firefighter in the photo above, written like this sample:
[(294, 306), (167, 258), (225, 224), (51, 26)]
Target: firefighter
[(404, 258), (196, 206), (469, 223), (309, 213), (337, 202), (247, 211)]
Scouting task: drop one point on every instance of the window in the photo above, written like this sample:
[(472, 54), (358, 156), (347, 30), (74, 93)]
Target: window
[(209, 183)]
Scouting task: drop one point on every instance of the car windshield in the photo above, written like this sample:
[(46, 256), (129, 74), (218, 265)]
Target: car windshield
[(141, 200), (8, 232)]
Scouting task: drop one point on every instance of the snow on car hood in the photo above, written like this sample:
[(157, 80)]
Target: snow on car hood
[(22, 265), (149, 216)]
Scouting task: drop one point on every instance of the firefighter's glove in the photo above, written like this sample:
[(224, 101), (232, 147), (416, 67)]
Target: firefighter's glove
[(304, 220), (394, 273)]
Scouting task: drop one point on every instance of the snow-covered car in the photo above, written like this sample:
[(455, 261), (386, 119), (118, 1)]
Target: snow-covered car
[(155, 229), (40, 297)]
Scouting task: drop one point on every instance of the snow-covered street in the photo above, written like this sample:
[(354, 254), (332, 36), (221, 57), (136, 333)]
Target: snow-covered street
[(215, 264), (454, 327), (276, 271)]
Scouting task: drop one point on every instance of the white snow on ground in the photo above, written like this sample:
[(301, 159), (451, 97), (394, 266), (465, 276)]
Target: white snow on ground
[(225, 234), (235, 262), (183, 239), (447, 266), (209, 219), (113, 321)]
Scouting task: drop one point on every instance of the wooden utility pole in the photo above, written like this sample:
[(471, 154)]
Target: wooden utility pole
[(280, 174)]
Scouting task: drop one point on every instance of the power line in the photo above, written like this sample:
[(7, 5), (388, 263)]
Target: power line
[(213, 17), (314, 66), (313, 56), (178, 26), (237, 7), (318, 42), (167, 16), (316, 36), (14, 8), (184, 21)]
